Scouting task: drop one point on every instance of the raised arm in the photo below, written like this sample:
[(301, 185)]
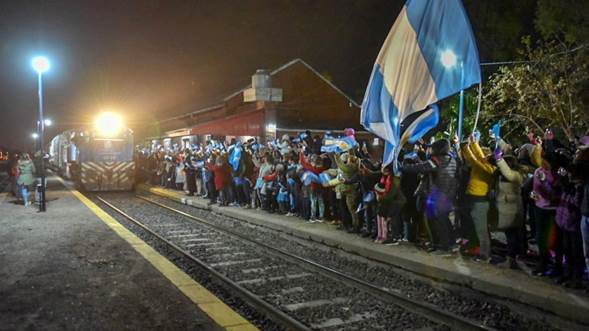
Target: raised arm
[(511, 175), (474, 161)]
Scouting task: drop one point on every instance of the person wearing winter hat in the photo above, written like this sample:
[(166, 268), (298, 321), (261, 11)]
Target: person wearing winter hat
[(349, 132), (440, 171)]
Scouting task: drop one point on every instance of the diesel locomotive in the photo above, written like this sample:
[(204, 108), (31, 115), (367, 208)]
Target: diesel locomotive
[(99, 158)]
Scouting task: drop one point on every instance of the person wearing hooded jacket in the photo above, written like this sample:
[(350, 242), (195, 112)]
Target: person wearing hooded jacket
[(440, 170), (26, 171), (510, 205)]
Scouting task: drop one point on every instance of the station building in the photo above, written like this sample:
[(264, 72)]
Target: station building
[(288, 100)]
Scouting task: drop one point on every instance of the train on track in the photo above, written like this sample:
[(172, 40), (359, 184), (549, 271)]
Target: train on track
[(96, 159)]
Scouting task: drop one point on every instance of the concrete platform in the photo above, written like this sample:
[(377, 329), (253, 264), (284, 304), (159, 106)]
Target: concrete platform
[(492, 280), (67, 269)]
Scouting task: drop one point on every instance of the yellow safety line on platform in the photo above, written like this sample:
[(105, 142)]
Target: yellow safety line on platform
[(217, 310)]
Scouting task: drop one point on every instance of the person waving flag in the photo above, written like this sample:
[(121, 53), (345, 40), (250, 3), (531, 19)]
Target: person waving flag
[(429, 54)]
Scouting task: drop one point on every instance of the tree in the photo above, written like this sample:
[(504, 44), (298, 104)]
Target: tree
[(544, 92), (563, 20)]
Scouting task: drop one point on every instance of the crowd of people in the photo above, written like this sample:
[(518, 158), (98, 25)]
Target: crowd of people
[(447, 197)]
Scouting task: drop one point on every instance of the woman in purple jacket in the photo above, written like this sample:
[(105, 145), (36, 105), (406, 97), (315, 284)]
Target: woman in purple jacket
[(546, 193)]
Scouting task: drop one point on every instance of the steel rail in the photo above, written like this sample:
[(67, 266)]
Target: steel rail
[(424, 309), (274, 313)]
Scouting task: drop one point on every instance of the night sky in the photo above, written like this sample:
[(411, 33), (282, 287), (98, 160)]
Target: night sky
[(153, 59)]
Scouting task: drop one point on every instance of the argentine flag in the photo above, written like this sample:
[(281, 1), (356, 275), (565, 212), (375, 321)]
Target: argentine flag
[(429, 54)]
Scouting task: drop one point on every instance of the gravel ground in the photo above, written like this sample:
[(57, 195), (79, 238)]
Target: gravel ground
[(201, 276), (489, 312), (356, 307)]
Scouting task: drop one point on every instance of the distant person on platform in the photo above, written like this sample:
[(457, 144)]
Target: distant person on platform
[(26, 176)]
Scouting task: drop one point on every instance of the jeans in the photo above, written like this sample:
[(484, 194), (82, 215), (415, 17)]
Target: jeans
[(352, 204), (478, 213), (585, 237), (370, 218), (37, 186), (411, 220), (24, 192), (317, 203), (199, 184), (247, 189)]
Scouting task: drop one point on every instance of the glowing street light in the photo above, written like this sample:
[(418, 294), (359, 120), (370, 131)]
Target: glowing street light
[(41, 65), (48, 122), (35, 135)]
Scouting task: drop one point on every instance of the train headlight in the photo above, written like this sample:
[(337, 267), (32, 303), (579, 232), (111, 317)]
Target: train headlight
[(109, 124)]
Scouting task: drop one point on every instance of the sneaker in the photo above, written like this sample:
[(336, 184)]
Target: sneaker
[(289, 214), (311, 221), (378, 241), (319, 220), (391, 242), (553, 273), (481, 259), (539, 272)]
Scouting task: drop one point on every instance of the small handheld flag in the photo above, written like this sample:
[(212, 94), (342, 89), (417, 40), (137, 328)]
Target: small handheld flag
[(338, 145)]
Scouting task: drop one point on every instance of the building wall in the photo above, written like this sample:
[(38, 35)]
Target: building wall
[(310, 102)]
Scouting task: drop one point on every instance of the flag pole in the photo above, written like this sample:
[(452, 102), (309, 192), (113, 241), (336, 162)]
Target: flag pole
[(461, 105)]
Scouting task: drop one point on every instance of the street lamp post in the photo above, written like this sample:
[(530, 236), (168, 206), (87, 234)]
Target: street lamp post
[(41, 65)]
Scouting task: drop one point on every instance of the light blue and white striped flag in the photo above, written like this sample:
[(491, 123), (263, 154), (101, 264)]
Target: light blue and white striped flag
[(419, 64)]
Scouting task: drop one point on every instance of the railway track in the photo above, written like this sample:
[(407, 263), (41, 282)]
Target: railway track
[(298, 293)]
